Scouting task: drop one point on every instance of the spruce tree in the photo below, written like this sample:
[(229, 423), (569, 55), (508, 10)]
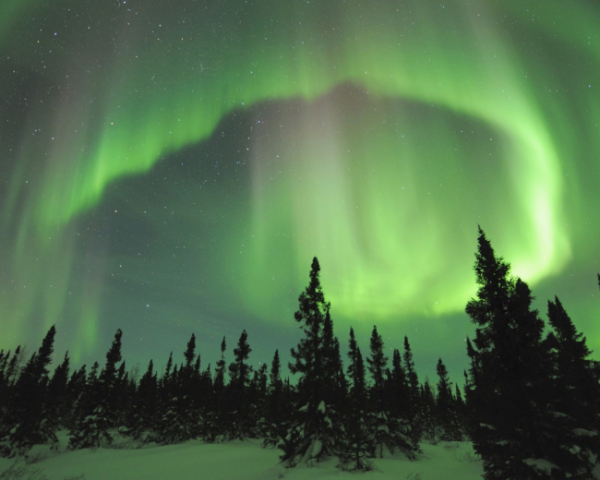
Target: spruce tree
[(27, 421), (426, 409), (181, 419), (377, 364), (143, 419), (388, 402), (57, 401), (75, 388), (190, 351), (124, 391), (275, 425), (216, 419), (240, 421), (312, 434), (12, 368), (397, 390), (335, 386), (257, 399), (359, 440), (97, 411), (576, 398), (414, 411), (513, 426), (446, 411)]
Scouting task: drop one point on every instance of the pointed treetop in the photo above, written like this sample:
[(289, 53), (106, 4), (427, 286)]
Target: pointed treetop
[(315, 268), (114, 354), (243, 349), (489, 268), (565, 332), (275, 378), (190, 351), (169, 365), (44, 354)]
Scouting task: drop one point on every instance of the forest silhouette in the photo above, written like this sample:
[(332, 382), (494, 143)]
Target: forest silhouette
[(530, 405)]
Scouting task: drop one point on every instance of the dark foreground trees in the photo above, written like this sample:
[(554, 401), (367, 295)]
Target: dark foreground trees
[(522, 425), (27, 417), (337, 416), (316, 422), (98, 409), (532, 402)]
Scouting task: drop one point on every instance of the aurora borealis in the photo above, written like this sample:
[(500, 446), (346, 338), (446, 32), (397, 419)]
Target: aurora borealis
[(172, 167)]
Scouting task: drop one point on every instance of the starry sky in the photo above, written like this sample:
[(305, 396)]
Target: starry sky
[(173, 167)]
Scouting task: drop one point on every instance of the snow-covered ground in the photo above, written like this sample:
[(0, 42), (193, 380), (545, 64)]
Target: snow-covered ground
[(232, 461)]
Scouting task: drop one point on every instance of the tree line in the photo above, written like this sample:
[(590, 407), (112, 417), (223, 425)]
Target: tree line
[(531, 404)]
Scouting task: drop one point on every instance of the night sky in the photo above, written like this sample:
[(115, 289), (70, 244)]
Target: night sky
[(173, 167)]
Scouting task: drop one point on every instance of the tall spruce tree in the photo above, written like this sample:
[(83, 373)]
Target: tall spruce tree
[(414, 411), (514, 428), (275, 416), (240, 423), (313, 434), (359, 442), (377, 364), (216, 419)]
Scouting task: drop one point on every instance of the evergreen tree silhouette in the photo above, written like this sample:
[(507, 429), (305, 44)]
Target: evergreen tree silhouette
[(426, 409), (312, 434), (275, 421), (446, 408), (461, 412), (97, 412), (257, 395), (57, 401), (576, 401), (414, 411), (9, 372), (124, 391), (5, 388), (240, 421), (388, 402), (513, 426), (190, 351), (358, 442), (28, 421), (180, 417), (143, 419), (397, 391), (377, 365), (335, 385), (216, 419)]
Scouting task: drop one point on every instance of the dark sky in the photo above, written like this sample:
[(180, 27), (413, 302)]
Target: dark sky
[(173, 167)]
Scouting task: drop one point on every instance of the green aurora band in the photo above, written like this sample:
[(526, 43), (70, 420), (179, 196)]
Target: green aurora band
[(411, 123)]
